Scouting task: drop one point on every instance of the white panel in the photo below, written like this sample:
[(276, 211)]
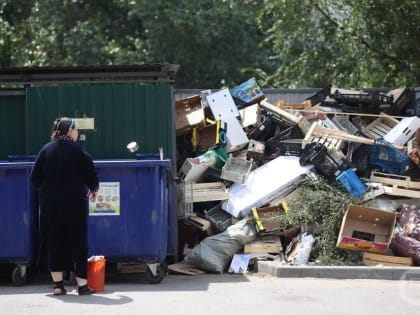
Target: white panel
[(222, 105)]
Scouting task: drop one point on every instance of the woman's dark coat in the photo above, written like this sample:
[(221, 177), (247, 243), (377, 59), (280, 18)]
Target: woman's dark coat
[(61, 173)]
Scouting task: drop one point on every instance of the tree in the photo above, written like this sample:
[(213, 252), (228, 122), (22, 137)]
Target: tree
[(216, 43), (69, 32), (366, 43)]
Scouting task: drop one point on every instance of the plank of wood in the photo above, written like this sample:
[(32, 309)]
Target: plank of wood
[(341, 135), (372, 259), (131, 267), (345, 113), (272, 108), (297, 119)]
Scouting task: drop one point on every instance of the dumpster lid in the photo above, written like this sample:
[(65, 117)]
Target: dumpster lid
[(134, 73), (132, 163)]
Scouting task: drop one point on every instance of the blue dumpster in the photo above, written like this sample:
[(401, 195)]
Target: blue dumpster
[(18, 218), (172, 215), (128, 221)]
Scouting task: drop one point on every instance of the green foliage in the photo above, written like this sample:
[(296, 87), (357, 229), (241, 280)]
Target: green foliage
[(322, 204), (216, 43), (306, 43), (347, 43), (70, 32)]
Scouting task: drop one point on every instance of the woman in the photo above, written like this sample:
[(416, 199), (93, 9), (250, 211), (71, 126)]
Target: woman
[(61, 172)]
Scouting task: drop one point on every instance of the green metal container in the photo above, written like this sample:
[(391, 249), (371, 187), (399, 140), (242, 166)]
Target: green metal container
[(12, 124), (108, 116)]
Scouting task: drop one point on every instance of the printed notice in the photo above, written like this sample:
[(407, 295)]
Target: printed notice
[(107, 200), (85, 123)]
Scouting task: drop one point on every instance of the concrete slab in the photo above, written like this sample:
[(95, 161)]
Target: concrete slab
[(275, 268)]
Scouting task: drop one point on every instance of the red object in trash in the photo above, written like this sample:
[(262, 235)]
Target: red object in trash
[(96, 274)]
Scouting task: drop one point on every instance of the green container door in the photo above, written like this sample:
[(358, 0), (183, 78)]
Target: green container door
[(113, 115), (12, 125)]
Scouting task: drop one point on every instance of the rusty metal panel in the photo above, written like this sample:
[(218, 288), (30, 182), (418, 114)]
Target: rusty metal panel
[(117, 115)]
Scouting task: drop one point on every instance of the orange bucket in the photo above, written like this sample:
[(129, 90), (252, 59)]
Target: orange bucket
[(96, 274)]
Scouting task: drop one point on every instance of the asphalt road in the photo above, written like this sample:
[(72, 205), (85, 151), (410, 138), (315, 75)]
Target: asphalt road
[(216, 294)]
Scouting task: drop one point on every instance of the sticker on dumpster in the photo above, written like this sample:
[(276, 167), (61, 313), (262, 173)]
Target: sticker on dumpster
[(107, 200)]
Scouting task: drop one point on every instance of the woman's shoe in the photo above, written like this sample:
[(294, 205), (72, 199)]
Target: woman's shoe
[(59, 288), (85, 290)]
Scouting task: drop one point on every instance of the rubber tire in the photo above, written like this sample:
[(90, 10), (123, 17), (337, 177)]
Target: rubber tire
[(155, 279), (17, 278), (164, 265)]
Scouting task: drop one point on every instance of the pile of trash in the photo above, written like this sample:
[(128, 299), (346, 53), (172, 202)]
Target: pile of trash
[(256, 168)]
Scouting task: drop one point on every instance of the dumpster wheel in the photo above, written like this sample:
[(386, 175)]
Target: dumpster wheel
[(19, 275), (155, 272)]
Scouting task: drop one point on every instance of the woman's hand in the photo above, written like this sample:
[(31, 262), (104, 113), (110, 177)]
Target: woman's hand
[(92, 195)]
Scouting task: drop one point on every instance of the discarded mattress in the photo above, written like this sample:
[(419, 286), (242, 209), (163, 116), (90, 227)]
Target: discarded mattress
[(263, 184)]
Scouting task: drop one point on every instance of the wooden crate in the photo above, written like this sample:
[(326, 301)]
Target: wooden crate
[(397, 185), (202, 192), (371, 259), (269, 244), (380, 127), (267, 220)]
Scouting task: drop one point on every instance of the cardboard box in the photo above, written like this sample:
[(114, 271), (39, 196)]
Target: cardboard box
[(366, 229), (189, 113)]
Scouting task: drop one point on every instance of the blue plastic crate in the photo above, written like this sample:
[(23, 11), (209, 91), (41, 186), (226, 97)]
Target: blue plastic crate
[(352, 183), (389, 158)]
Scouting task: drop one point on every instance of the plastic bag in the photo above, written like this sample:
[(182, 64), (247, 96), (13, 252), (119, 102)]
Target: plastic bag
[(299, 249), (215, 252), (406, 246)]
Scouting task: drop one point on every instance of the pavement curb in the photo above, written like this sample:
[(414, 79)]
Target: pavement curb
[(276, 269)]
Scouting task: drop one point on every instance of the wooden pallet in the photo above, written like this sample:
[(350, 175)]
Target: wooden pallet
[(380, 127), (397, 185)]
